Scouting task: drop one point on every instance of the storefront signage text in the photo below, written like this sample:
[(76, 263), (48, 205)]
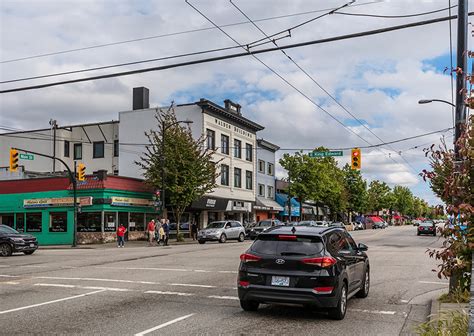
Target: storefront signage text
[(128, 201), (56, 202)]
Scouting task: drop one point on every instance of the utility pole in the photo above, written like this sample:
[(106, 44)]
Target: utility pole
[(163, 130), (461, 66)]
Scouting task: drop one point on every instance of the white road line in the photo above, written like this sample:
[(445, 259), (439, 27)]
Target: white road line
[(165, 269), (163, 325), (9, 283), (4, 265), (8, 276), (383, 312), (223, 297), (192, 285), (404, 301), (113, 289), (49, 302), (33, 266), (232, 272), (434, 282), (99, 279), (169, 293)]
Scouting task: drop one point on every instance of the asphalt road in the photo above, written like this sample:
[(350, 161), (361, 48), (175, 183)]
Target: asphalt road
[(191, 290)]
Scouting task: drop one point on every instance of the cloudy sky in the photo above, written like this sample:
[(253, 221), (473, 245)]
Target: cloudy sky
[(378, 79)]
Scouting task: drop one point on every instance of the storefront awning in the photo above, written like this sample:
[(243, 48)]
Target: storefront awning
[(267, 204)]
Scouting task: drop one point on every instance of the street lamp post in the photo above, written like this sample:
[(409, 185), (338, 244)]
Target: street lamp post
[(427, 101), (164, 127)]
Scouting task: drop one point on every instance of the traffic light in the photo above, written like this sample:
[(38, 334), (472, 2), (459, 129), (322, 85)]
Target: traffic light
[(13, 160), (355, 158), (81, 172)]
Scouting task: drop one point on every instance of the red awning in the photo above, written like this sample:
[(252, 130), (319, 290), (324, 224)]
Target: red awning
[(376, 219)]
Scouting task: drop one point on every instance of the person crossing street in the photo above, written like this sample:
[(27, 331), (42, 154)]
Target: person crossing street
[(151, 232)]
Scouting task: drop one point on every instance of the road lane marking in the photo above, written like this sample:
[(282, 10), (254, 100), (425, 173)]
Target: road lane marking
[(50, 302), (165, 269), (114, 289), (169, 293), (434, 282), (163, 325), (9, 276), (223, 297), (99, 279), (4, 265), (383, 312), (191, 285), (9, 283)]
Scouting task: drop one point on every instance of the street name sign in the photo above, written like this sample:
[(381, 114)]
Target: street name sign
[(325, 154), (27, 156)]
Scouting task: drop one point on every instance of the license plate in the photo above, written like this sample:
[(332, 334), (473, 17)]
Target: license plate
[(280, 281), (32, 245)]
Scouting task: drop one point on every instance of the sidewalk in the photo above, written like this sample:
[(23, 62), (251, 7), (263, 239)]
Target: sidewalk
[(129, 244)]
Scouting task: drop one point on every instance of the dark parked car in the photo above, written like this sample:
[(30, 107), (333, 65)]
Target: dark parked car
[(12, 241), (312, 266), (427, 227), (264, 225), (248, 227)]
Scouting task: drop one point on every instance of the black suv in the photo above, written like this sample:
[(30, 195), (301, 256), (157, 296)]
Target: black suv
[(13, 241), (313, 266), (262, 226)]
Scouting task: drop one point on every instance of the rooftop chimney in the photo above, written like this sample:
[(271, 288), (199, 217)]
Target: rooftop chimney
[(232, 107), (141, 98)]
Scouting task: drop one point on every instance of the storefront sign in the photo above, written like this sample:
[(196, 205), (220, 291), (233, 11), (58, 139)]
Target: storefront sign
[(56, 202), (128, 201), (209, 203)]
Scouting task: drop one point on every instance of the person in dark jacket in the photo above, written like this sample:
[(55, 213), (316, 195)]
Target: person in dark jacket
[(166, 228)]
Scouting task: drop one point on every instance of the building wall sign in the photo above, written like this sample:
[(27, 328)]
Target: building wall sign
[(128, 201), (236, 129), (56, 202)]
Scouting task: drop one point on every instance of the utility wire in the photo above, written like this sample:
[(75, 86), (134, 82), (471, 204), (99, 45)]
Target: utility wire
[(316, 82), (237, 55), (398, 16), (171, 34)]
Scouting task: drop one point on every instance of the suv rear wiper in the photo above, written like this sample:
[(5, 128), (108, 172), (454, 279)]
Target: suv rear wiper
[(293, 253)]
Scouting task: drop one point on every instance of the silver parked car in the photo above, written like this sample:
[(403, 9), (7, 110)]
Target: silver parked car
[(221, 231)]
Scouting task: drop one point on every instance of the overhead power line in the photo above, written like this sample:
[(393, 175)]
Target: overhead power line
[(237, 55), (170, 34), (396, 16)]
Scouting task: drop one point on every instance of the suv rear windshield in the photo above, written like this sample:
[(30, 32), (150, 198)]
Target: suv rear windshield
[(272, 245)]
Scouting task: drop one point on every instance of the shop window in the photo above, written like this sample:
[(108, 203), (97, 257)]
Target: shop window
[(98, 149), (20, 222), (211, 217), (137, 221), (34, 222), (110, 219), (58, 222), (7, 219), (89, 222)]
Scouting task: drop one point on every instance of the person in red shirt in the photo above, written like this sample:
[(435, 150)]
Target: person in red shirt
[(121, 235), (151, 232)]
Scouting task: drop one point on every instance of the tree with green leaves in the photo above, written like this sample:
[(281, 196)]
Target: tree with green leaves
[(356, 190), (189, 171), (379, 196), (403, 199)]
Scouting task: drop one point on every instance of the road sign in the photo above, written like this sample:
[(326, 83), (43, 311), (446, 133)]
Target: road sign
[(325, 154), (27, 156)]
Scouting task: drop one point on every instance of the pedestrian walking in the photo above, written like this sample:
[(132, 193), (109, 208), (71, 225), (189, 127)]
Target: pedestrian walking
[(161, 235), (151, 232), (166, 229), (194, 230), (121, 230)]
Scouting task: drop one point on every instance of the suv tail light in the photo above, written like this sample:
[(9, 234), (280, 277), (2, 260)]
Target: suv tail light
[(244, 284), (323, 262), (323, 290), (247, 257)]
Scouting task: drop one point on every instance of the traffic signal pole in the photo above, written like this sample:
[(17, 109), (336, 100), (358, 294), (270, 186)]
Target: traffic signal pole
[(72, 177)]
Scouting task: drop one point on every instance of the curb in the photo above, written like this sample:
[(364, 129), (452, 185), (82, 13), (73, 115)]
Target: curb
[(133, 244)]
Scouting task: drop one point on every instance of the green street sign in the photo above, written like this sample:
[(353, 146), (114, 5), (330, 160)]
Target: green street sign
[(325, 154), (27, 156)]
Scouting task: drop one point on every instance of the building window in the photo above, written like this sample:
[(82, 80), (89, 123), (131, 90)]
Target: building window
[(237, 177), (66, 148), (20, 222), (98, 149), (224, 144), (225, 175), (33, 222), (261, 190), (269, 191), (211, 139), (270, 169), (89, 222), (237, 148), (58, 222), (261, 166), (248, 152), (110, 219), (77, 151), (248, 180), (116, 148), (137, 222), (7, 219)]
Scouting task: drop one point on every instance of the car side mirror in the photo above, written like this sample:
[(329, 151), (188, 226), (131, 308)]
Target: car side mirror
[(362, 247)]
